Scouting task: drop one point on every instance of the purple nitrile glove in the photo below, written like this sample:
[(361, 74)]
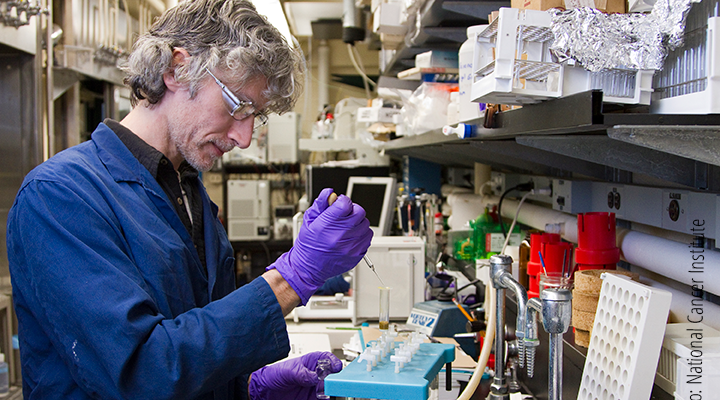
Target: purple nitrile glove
[(332, 240), (293, 379)]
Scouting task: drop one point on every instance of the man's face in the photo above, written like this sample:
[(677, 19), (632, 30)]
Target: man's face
[(202, 129)]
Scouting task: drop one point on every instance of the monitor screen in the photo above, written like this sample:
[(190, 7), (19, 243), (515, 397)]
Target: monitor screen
[(377, 196), (370, 197)]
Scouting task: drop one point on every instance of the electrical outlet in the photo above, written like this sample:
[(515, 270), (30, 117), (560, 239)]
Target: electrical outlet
[(497, 185), (572, 196), (674, 212)]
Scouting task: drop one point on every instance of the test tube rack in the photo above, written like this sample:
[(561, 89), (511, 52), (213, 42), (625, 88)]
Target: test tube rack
[(392, 370)]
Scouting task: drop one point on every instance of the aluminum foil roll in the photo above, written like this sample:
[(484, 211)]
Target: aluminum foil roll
[(636, 41)]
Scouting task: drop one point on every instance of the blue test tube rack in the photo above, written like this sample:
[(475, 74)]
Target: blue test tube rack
[(412, 382)]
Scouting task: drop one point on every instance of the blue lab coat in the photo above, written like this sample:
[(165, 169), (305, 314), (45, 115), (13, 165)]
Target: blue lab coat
[(111, 297)]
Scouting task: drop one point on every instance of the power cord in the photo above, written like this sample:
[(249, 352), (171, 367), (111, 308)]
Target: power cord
[(523, 187)]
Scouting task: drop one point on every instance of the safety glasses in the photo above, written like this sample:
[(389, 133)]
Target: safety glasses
[(237, 108)]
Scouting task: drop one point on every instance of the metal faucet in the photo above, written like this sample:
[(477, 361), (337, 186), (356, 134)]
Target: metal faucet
[(554, 306), (501, 280), (556, 309), (556, 316)]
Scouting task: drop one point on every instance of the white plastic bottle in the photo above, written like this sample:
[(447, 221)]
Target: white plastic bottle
[(468, 110), (4, 378)]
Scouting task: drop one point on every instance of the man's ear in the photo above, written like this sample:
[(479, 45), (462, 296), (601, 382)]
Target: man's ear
[(180, 57)]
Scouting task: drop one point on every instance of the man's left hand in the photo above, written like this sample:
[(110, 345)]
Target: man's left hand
[(293, 379)]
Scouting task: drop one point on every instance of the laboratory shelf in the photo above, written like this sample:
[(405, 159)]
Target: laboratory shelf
[(578, 135), (442, 26)]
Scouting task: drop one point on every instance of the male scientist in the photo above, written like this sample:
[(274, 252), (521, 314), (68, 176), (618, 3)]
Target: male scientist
[(123, 277)]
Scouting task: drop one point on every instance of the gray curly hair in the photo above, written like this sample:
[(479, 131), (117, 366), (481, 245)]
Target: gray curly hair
[(228, 35)]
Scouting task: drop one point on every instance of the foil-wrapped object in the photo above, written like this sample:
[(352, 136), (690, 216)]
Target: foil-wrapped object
[(603, 41)]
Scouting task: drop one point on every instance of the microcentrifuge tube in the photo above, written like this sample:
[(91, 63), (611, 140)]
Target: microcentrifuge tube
[(384, 308), (322, 369)]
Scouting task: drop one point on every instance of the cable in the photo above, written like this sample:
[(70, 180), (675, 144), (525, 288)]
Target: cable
[(522, 187), (366, 79), (517, 212)]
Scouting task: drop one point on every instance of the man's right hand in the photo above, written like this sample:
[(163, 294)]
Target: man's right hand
[(332, 240)]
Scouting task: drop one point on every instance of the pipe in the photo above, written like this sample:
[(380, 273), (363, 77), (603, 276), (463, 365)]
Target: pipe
[(487, 345), (662, 256), (677, 261), (323, 74)]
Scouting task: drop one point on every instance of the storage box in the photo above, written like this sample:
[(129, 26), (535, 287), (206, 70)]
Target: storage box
[(376, 114), (608, 6), (437, 59), (673, 349), (386, 19), (698, 368)]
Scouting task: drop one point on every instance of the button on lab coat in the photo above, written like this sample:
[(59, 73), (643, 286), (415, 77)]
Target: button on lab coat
[(111, 296)]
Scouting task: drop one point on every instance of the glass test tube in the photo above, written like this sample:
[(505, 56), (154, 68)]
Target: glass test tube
[(384, 308)]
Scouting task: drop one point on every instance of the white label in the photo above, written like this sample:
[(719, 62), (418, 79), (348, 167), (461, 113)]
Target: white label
[(423, 321), (495, 241)]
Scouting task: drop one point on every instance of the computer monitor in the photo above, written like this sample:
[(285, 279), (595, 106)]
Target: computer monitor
[(377, 196)]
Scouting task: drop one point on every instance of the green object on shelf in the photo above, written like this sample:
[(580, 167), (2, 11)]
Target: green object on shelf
[(487, 236)]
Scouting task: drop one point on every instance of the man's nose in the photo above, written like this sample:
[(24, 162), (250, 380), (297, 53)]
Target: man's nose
[(241, 132)]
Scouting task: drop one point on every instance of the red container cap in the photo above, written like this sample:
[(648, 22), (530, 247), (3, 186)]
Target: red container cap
[(596, 241), (554, 253), (534, 266), (596, 231)]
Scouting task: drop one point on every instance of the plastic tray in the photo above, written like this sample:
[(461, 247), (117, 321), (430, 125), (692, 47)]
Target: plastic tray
[(411, 383), (626, 340)]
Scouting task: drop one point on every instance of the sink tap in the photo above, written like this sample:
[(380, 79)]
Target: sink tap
[(556, 317), (501, 280)]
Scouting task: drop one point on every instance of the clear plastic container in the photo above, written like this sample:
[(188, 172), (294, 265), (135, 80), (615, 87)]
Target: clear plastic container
[(323, 370)]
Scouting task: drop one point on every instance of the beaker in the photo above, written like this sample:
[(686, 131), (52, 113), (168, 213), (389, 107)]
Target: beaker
[(554, 280), (322, 369), (384, 319)]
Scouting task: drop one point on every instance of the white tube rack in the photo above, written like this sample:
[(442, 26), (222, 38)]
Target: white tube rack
[(626, 339), (512, 62), (684, 91), (619, 86)]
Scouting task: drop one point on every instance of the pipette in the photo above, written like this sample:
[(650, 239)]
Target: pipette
[(331, 200)]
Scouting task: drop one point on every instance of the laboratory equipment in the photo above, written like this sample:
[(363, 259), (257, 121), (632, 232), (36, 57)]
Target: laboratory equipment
[(502, 279), (556, 309), (372, 267), (400, 261), (377, 196), (322, 370), (248, 209), (282, 140), (384, 314), (597, 248), (392, 370), (626, 339), (319, 177), (554, 280)]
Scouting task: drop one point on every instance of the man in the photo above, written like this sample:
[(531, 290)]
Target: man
[(123, 277)]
